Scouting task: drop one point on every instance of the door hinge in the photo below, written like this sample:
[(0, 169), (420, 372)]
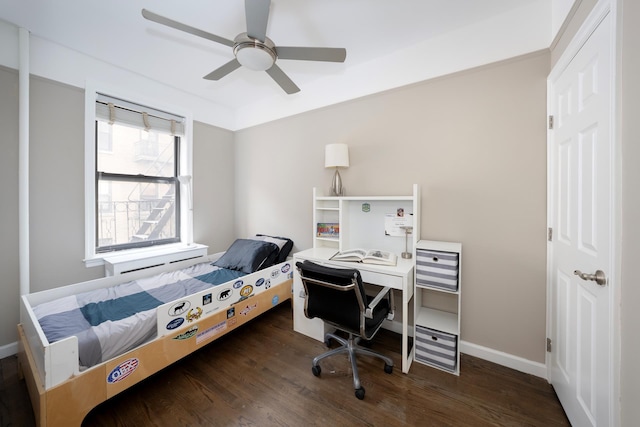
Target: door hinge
[(550, 122), (548, 345), (549, 234)]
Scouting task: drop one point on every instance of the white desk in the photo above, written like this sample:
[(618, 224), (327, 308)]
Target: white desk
[(398, 277)]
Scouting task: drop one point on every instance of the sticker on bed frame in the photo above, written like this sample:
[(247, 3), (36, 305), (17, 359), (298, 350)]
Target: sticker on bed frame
[(245, 311), (225, 294), (275, 300), (275, 273), (194, 314), (189, 333), (259, 282), (206, 299), (123, 370), (238, 284), (246, 291), (211, 332), (175, 323), (231, 312), (285, 268), (179, 308)]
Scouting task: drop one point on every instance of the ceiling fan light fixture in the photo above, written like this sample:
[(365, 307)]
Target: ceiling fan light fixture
[(253, 53), (255, 57)]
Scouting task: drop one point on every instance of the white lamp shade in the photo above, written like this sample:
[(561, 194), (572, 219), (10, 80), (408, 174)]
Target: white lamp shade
[(336, 155)]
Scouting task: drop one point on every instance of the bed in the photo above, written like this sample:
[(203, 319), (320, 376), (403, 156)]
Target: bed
[(81, 344)]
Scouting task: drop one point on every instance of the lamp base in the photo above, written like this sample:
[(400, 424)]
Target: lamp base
[(406, 255), (336, 185)]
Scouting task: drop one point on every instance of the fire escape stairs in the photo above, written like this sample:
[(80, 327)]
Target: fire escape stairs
[(159, 216)]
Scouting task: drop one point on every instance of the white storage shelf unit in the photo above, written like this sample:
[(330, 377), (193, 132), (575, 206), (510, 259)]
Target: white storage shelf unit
[(438, 305), (361, 221)]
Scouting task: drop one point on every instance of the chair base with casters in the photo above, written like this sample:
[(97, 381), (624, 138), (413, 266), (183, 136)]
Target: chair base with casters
[(337, 296), (351, 347)]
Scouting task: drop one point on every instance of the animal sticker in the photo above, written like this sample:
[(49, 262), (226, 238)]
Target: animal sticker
[(179, 308), (225, 294)]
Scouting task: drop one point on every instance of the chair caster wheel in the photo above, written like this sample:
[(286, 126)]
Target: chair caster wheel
[(360, 393), (388, 368), (327, 342), (316, 370)]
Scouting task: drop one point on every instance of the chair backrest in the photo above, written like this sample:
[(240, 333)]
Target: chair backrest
[(335, 295)]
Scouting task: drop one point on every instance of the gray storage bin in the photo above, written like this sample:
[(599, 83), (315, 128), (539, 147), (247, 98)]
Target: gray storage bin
[(436, 348), (437, 269)]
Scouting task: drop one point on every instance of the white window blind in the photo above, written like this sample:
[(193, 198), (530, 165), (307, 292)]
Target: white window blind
[(114, 110)]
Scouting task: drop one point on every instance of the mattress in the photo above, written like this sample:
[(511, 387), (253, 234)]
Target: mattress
[(111, 321)]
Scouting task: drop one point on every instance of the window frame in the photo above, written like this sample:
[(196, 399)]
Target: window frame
[(184, 165)]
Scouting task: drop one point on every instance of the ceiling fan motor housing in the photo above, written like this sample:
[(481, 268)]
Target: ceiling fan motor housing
[(253, 53)]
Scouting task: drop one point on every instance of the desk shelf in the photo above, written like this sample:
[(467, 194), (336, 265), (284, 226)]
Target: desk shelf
[(361, 221)]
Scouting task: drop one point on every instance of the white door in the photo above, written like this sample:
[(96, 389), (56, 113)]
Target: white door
[(580, 214)]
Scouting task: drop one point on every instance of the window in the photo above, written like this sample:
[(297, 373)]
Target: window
[(134, 172)]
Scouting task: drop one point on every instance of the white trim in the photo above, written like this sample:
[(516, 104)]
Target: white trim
[(505, 359), (8, 350), (92, 89), (23, 161)]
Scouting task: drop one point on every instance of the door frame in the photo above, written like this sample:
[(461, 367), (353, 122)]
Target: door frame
[(598, 13)]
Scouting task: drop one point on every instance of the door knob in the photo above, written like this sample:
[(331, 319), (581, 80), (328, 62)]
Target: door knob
[(599, 276)]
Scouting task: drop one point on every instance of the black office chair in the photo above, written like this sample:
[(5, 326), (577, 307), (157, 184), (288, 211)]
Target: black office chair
[(337, 296)]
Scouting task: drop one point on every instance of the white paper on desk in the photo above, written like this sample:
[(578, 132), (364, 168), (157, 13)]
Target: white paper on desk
[(393, 224)]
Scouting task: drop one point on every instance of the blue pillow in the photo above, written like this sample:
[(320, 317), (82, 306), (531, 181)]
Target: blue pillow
[(248, 255)]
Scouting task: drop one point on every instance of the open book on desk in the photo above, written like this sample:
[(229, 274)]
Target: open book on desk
[(368, 257)]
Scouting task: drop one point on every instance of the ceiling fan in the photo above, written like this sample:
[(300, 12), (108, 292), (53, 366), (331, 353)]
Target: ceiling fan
[(254, 49)]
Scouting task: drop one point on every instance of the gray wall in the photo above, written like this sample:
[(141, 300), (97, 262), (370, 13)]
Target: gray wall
[(474, 141), (213, 187), (9, 273), (630, 111)]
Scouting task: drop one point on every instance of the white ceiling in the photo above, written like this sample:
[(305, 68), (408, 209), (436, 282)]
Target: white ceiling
[(374, 33)]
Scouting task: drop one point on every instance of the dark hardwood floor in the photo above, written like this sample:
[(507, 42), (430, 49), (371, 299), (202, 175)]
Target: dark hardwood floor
[(260, 375)]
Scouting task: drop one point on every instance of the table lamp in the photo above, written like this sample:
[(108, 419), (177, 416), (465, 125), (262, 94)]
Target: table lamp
[(336, 156)]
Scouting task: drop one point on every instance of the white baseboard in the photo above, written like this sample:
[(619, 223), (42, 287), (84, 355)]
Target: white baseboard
[(8, 350), (510, 361), (505, 359)]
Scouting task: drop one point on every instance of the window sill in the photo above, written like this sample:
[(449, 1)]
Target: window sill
[(136, 259)]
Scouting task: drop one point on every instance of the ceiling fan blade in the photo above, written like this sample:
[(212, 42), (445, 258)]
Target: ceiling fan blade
[(183, 27), (330, 54), (220, 72), (282, 79), (257, 12)]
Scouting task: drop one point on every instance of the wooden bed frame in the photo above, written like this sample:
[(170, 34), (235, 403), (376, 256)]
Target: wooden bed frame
[(62, 395)]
